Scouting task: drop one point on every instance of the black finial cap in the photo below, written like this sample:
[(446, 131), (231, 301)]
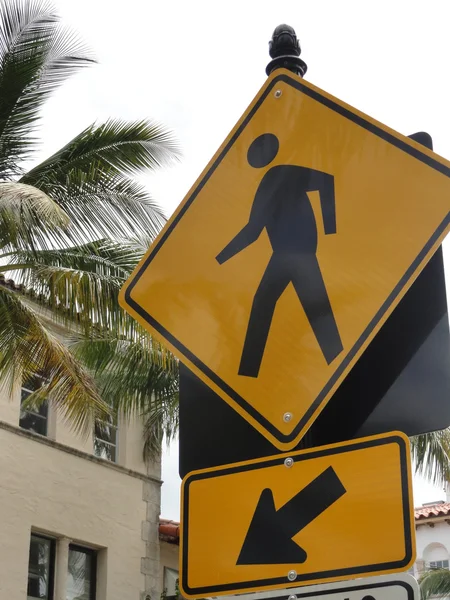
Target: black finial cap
[(284, 49)]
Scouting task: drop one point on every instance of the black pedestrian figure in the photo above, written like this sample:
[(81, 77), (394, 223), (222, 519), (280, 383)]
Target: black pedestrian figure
[(282, 206)]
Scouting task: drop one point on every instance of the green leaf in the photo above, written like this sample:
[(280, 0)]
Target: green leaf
[(104, 205), (161, 422), (36, 56), (81, 284), (90, 180), (27, 217), (435, 583), (113, 148), (431, 455), (138, 377), (27, 348)]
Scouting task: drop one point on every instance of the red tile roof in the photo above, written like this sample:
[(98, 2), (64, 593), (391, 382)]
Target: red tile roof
[(432, 511), (169, 531)]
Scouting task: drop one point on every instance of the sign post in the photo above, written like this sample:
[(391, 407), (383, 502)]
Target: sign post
[(270, 282)]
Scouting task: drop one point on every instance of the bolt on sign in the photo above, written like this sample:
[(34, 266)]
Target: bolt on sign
[(392, 587), (301, 518), (290, 252)]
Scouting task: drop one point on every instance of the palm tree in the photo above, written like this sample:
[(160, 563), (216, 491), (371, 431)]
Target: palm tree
[(72, 227), (435, 582), (431, 456)]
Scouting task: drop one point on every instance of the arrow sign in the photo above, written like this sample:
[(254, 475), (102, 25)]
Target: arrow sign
[(269, 520), (268, 540)]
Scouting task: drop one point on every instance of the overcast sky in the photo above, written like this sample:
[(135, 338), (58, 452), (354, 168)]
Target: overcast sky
[(196, 65)]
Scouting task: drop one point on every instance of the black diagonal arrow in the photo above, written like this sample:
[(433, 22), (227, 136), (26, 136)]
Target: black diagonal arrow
[(268, 539)]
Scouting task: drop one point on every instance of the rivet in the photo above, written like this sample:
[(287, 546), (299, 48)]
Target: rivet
[(292, 597), (292, 575), (278, 93), (287, 417), (288, 462)]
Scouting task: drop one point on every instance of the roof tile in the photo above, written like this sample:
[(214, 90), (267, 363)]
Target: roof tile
[(432, 511), (169, 531)]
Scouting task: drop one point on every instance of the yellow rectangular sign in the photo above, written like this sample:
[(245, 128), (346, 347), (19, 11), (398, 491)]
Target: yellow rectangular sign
[(290, 252), (326, 514)]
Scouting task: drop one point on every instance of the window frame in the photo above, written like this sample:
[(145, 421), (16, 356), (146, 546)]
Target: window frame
[(51, 567), (114, 424), (43, 418), (94, 557)]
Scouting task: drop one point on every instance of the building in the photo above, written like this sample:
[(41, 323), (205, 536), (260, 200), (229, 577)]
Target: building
[(432, 536), (169, 535), (79, 516)]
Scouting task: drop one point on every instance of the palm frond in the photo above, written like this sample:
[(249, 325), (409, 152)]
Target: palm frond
[(431, 455), (89, 179), (104, 205), (104, 257), (133, 372), (28, 216), (138, 377), (27, 348), (161, 422), (36, 55), (435, 583), (115, 147), (81, 284)]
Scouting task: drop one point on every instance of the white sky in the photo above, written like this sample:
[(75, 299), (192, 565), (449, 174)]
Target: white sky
[(196, 65)]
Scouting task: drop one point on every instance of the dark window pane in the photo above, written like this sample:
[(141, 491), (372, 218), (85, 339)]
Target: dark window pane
[(33, 422), (81, 576), (39, 568), (104, 450)]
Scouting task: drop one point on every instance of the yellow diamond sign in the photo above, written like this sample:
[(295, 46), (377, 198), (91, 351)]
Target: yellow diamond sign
[(290, 252)]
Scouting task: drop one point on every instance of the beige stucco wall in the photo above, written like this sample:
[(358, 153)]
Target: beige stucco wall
[(57, 487), (9, 403), (130, 433), (48, 490)]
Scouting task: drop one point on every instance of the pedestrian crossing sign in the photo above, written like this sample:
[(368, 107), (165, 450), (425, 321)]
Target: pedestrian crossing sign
[(289, 253)]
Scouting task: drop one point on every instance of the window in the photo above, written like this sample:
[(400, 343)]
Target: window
[(41, 568), (81, 579), (105, 439), (29, 419), (438, 564), (170, 583)]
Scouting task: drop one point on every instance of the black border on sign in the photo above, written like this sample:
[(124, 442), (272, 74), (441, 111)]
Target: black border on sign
[(342, 590), (229, 391), (303, 577)]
